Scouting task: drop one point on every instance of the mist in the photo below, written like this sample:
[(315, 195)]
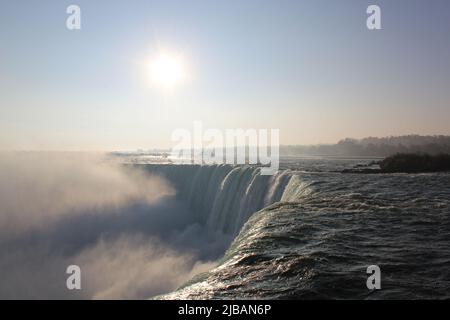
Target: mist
[(125, 228)]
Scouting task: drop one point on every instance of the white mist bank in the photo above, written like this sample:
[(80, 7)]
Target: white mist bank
[(36, 187), (123, 227)]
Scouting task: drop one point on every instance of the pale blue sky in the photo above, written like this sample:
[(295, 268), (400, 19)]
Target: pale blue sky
[(310, 68)]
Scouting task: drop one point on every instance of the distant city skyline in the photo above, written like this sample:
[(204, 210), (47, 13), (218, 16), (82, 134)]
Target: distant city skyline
[(311, 69)]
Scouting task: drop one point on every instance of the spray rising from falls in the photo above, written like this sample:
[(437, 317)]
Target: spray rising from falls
[(223, 197)]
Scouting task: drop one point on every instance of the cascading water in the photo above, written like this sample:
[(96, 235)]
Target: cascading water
[(312, 234), (223, 197)]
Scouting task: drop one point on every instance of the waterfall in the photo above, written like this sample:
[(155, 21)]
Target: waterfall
[(223, 197)]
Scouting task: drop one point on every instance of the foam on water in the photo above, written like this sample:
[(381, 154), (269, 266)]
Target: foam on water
[(313, 234), (223, 196)]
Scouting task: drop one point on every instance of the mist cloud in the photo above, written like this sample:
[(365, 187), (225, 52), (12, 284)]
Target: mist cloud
[(35, 187), (123, 227)]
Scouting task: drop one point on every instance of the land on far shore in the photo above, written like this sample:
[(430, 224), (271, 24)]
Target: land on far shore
[(407, 163), (374, 147), (371, 147)]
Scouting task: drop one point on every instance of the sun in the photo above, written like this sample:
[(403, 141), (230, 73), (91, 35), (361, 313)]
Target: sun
[(166, 71)]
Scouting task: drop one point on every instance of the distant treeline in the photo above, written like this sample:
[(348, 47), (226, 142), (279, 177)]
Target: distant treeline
[(378, 147)]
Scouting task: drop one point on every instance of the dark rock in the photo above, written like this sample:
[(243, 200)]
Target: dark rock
[(408, 163), (416, 163)]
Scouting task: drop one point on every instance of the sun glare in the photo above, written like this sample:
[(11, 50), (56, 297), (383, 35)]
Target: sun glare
[(166, 71)]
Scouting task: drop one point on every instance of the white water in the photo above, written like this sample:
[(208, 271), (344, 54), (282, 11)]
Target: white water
[(223, 197)]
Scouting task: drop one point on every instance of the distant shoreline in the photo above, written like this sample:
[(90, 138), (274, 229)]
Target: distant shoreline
[(408, 163)]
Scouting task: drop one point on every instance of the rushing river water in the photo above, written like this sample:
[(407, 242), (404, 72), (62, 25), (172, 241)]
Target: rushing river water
[(311, 232)]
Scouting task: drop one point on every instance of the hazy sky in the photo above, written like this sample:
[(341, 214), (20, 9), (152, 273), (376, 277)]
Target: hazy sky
[(310, 68)]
